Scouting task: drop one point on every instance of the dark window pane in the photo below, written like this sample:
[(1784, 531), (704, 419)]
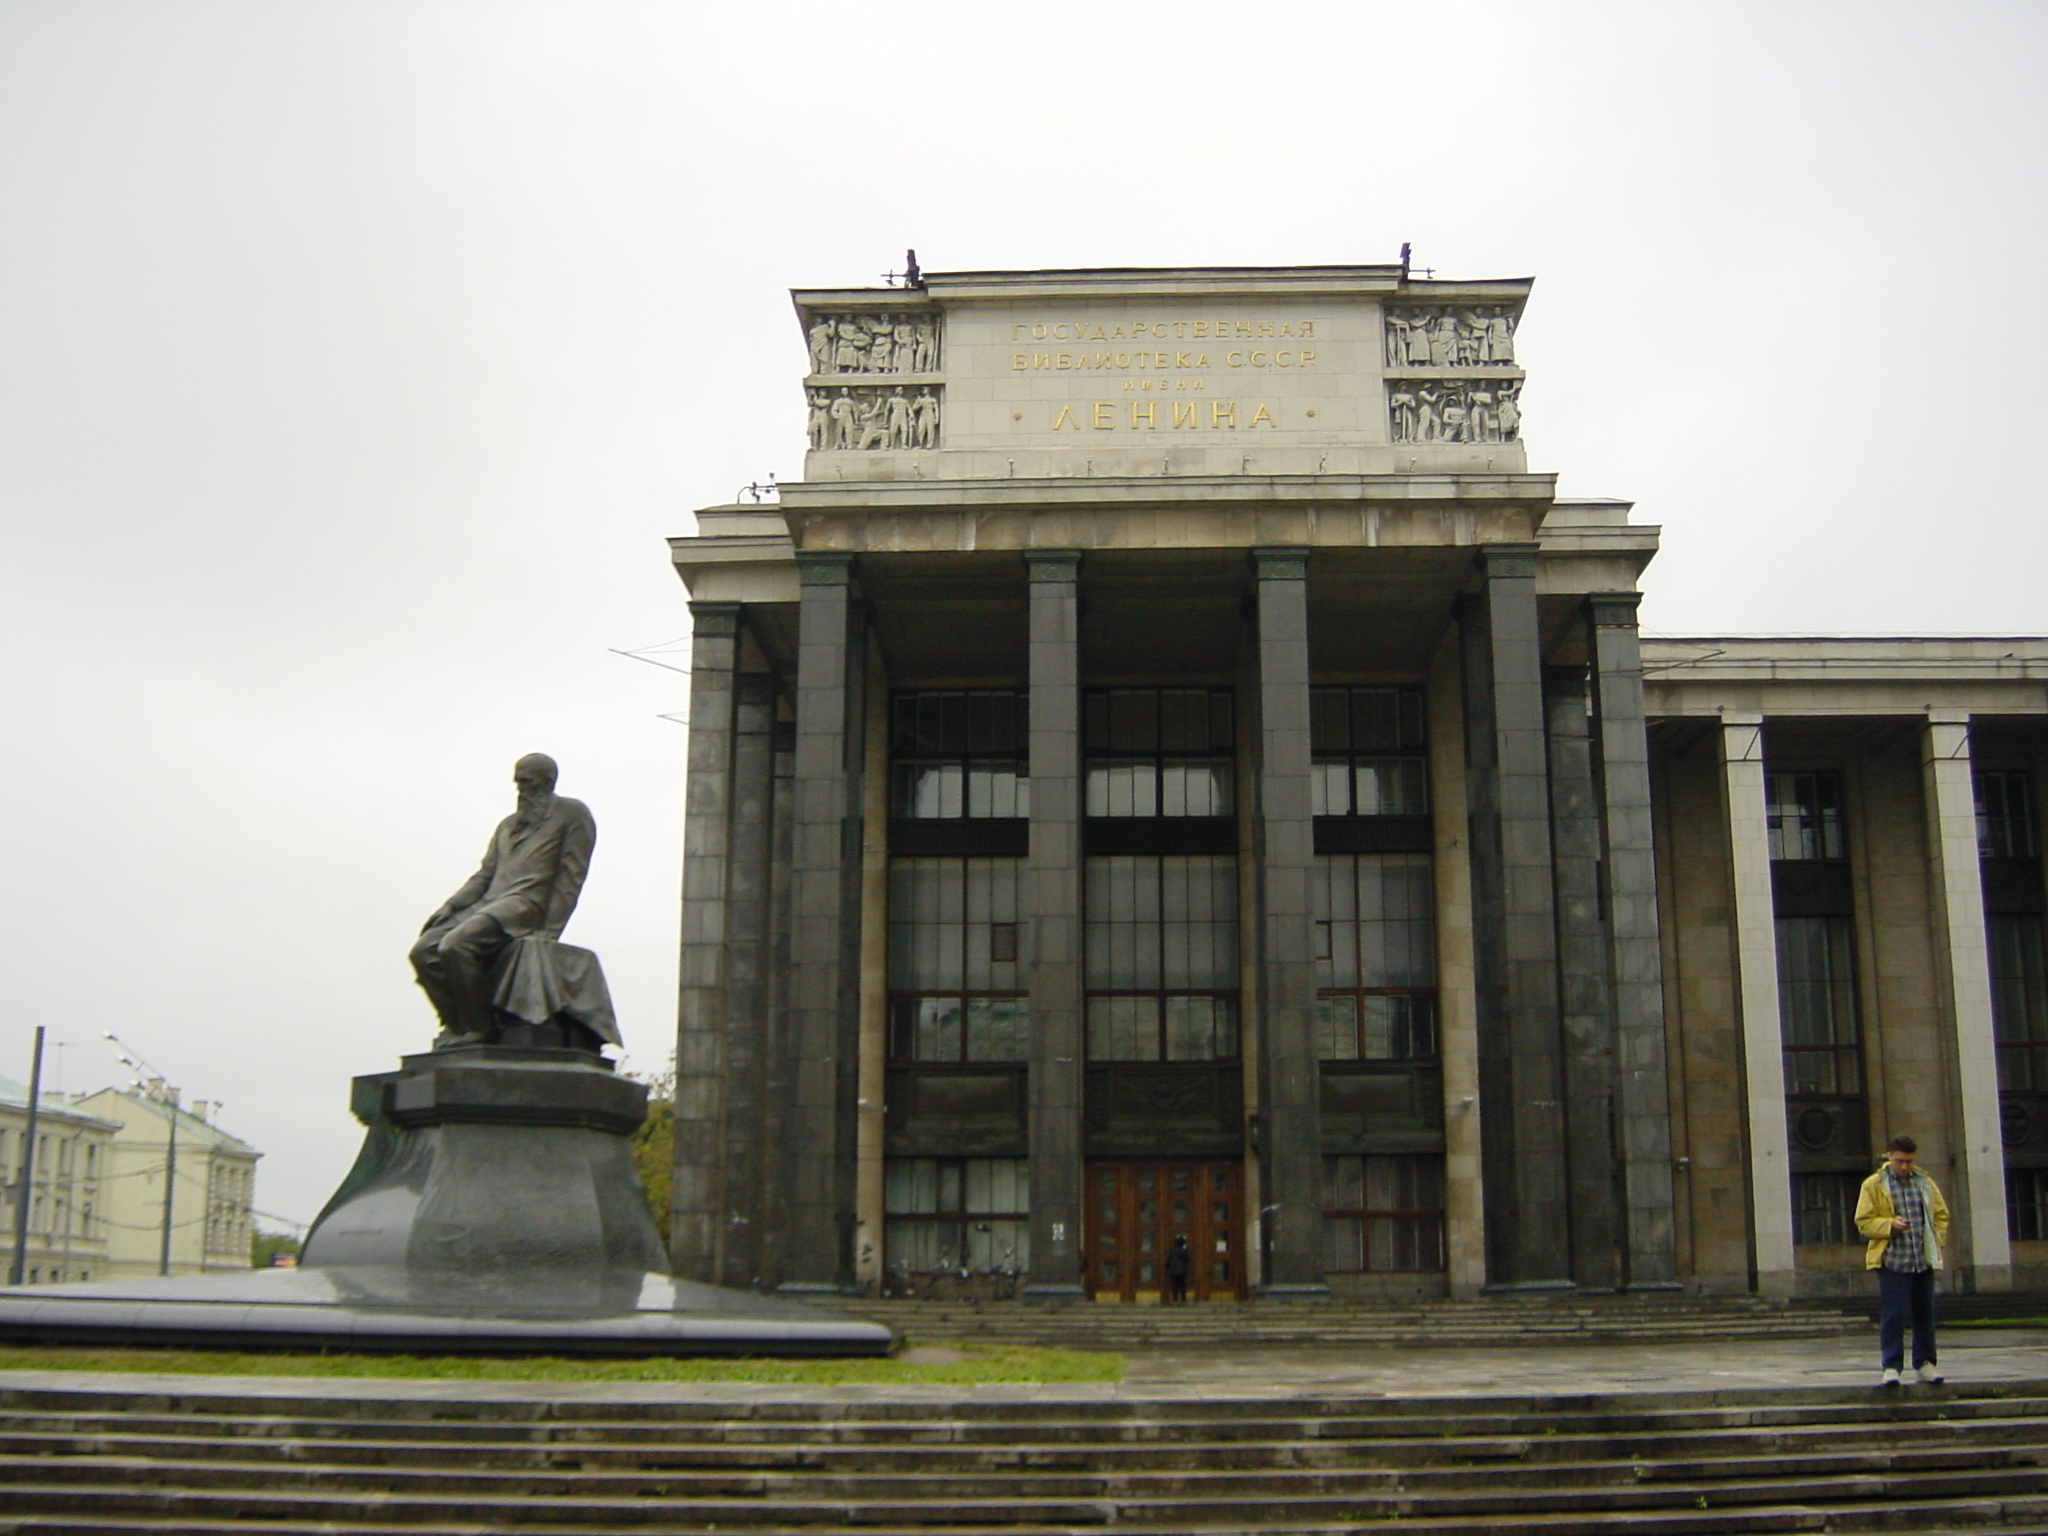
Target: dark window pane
[(1804, 815), (1134, 720), (1329, 721), (2005, 815), (2019, 999), (1390, 786), (1824, 1208), (1384, 1213), (1369, 752), (957, 753), (996, 1029), (1337, 1027)]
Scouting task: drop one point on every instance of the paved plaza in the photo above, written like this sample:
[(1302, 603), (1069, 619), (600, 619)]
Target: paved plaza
[(1971, 1357)]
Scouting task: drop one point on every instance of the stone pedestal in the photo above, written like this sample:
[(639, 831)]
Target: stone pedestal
[(493, 1176), (494, 1209)]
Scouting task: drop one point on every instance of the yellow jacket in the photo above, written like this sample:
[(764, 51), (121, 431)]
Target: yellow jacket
[(1874, 1216)]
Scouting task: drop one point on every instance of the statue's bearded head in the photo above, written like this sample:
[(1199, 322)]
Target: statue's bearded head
[(534, 775)]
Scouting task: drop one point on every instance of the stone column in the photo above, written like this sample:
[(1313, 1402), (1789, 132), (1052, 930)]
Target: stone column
[(1756, 961), (1978, 1239), (1457, 1021), (1522, 1123), (818, 1134), (1290, 1074), (749, 965), (1052, 921), (695, 1203), (1621, 769), (1585, 1018), (872, 1091), (768, 1212)]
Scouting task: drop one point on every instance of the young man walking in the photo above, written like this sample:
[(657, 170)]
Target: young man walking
[(1906, 1220)]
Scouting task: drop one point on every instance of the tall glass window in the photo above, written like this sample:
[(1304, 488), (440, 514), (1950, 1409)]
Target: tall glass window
[(2019, 999), (1161, 957), (1817, 1006), (960, 753), (1376, 957), (956, 987), (1824, 1207), (1368, 752), (1804, 814), (956, 1214), (1158, 751), (2026, 1204), (1383, 1213), (2005, 815)]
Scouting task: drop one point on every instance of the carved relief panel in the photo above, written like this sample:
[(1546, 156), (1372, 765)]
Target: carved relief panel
[(854, 418), (1455, 410), (887, 341), (1451, 336)]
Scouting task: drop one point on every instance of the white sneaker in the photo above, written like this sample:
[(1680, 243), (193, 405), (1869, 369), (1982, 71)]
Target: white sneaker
[(1930, 1376), (1890, 1378)]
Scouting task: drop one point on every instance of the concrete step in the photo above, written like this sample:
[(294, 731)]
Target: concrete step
[(1982, 1497), (1033, 1444), (1964, 1517), (1118, 1325), (102, 1458), (1069, 1476)]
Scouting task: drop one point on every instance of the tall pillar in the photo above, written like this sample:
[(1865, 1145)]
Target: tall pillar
[(1981, 1245), (818, 1134), (1585, 1019), (749, 965), (1290, 1074), (696, 1193), (1756, 960), (768, 1212), (1522, 1122), (1621, 769), (1053, 921), (1465, 1215)]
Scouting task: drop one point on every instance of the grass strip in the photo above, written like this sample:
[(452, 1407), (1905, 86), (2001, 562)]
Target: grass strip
[(964, 1365)]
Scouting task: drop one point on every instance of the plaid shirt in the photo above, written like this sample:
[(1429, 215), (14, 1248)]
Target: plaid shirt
[(1907, 1250)]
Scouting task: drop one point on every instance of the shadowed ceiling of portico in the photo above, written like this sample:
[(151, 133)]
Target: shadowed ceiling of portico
[(1158, 615)]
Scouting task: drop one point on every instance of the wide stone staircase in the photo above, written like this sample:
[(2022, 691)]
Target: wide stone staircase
[(1640, 1319), (96, 1459)]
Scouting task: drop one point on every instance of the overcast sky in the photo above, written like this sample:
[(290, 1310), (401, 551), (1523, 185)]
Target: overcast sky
[(357, 358)]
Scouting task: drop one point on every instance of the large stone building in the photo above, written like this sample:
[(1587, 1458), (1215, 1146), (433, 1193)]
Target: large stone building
[(1171, 770), (212, 1175), (68, 1178)]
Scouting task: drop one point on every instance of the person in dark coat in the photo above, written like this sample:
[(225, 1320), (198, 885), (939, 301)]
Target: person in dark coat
[(1178, 1262)]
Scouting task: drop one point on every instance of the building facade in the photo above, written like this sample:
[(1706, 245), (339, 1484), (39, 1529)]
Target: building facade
[(68, 1179), (1171, 770), (212, 1178)]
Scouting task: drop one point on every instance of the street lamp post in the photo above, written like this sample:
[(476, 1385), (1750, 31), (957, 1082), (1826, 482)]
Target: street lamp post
[(156, 1087), (25, 1193)]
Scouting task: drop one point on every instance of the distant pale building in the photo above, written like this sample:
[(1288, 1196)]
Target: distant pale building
[(67, 1228), (214, 1188)]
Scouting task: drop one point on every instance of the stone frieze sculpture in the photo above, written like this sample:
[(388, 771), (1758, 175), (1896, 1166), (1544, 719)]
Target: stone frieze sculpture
[(1460, 336), (880, 342), (866, 419), (1455, 410)]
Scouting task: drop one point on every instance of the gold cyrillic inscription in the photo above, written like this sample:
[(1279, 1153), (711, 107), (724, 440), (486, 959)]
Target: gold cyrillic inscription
[(1102, 416)]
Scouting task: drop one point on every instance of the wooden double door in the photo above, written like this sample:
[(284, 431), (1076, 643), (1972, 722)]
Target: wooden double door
[(1136, 1209)]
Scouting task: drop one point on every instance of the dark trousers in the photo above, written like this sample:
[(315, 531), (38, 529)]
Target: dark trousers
[(453, 963), (1899, 1295)]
